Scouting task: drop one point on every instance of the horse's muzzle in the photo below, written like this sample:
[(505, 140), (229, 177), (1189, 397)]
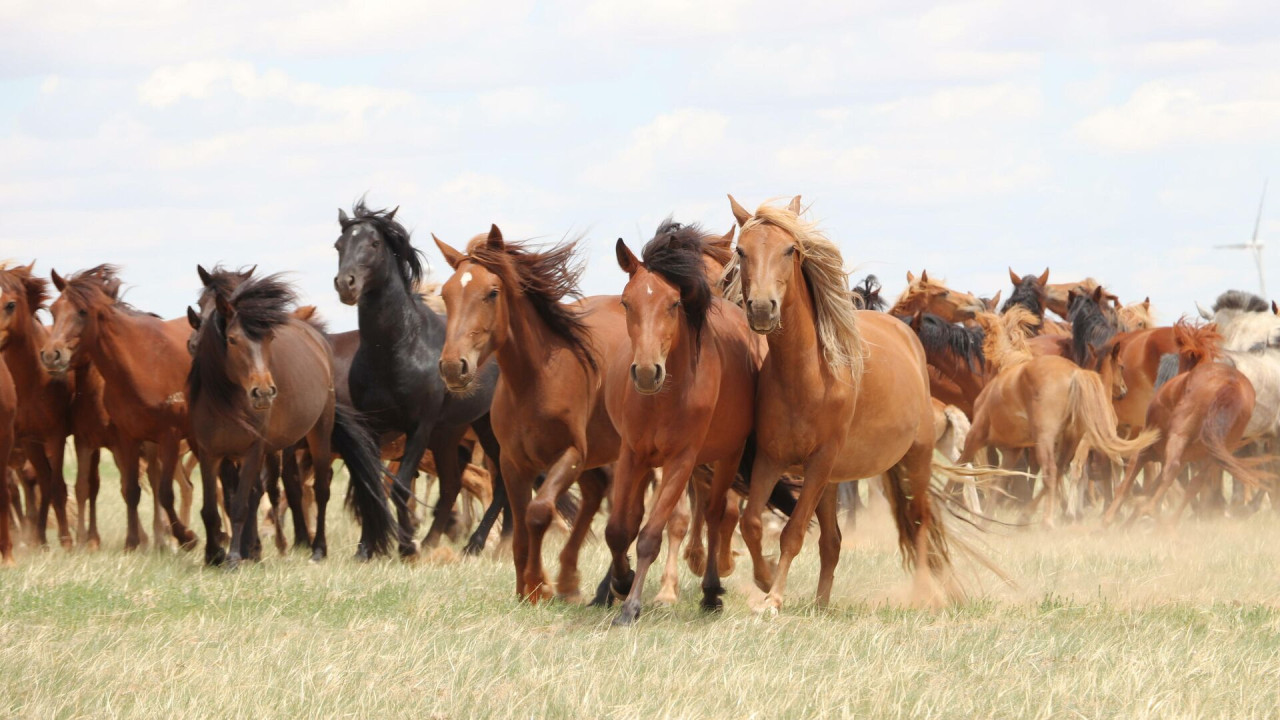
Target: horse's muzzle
[(458, 375), (348, 288), (648, 379)]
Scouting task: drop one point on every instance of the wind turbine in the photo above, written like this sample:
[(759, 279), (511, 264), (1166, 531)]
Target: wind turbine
[(1254, 245)]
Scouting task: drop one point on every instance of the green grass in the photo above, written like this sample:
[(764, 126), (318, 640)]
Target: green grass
[(1147, 623)]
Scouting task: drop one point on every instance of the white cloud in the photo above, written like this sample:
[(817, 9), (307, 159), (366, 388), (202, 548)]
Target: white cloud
[(670, 143)]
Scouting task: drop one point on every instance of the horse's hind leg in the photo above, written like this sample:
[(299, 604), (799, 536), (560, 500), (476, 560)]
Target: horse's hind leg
[(593, 483), (186, 488), (677, 530), (829, 539), (168, 465), (1046, 456), (291, 477), (725, 562), (1122, 493)]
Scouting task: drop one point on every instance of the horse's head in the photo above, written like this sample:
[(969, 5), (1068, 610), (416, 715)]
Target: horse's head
[(219, 280), (248, 358), (373, 249), (477, 303), (77, 315), (21, 294), (1029, 291), (1106, 362), (243, 326), (769, 259), (933, 296)]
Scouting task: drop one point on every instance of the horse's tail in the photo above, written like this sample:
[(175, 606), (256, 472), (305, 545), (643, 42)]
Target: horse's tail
[(366, 494), (1213, 435), (1094, 419)]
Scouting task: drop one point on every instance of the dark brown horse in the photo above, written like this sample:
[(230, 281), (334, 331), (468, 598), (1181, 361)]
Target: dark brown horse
[(262, 381), (44, 401), (842, 393), (504, 301), (680, 394), (144, 364)]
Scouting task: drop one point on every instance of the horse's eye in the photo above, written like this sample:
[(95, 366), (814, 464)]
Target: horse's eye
[(739, 251), (84, 313), (675, 306), (11, 306), (375, 244), (791, 250), (231, 340), (493, 294)]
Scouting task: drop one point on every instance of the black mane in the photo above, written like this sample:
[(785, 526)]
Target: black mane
[(866, 294), (1028, 294), (675, 253), (408, 258), (959, 343), (1091, 328), (1240, 300)]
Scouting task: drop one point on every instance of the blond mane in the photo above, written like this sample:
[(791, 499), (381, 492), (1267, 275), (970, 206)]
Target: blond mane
[(1137, 316), (823, 269), (1005, 336)]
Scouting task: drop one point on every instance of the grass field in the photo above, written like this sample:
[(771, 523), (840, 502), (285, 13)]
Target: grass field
[(1145, 623)]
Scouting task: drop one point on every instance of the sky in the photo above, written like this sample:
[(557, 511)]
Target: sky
[(1120, 141)]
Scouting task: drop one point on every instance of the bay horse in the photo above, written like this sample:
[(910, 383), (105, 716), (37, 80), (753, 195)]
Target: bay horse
[(43, 420), (504, 301), (261, 381), (144, 364), (843, 393), (957, 367), (924, 294), (1201, 415), (395, 379), (1046, 404), (680, 395)]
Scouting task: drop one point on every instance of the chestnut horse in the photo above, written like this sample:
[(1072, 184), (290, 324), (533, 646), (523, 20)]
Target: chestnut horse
[(8, 412), (933, 296), (262, 381), (1046, 403), (144, 364), (1201, 414), (504, 301), (43, 421), (843, 393), (680, 395)]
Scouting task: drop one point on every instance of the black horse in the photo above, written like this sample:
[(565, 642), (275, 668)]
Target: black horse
[(394, 378)]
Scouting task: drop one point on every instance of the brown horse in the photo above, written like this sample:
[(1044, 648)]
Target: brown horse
[(1031, 292), (680, 395), (504, 301), (957, 367), (8, 412), (144, 364), (925, 295), (1046, 403), (262, 381), (1057, 296), (842, 393), (1201, 415)]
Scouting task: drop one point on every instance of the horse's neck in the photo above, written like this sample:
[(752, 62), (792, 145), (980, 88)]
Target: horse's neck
[(794, 345), (1001, 351), (389, 316), (524, 353), (124, 343), (22, 355)]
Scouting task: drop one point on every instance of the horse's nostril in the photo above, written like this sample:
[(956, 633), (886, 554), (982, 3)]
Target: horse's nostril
[(634, 375), (351, 281), (773, 305), (463, 370), (273, 391)]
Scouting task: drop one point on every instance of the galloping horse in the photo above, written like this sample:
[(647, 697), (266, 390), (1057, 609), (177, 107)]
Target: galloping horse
[(261, 381), (680, 395), (43, 421), (504, 300), (1201, 414), (843, 393), (1046, 403), (395, 379), (144, 365)]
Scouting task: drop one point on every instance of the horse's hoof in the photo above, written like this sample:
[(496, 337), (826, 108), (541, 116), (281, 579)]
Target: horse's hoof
[(362, 554), (190, 541), (569, 598), (473, 549), (627, 617), (621, 587), (214, 557), (408, 551), (93, 544), (7, 562), (318, 555), (712, 600), (696, 558), (666, 599), (232, 563)]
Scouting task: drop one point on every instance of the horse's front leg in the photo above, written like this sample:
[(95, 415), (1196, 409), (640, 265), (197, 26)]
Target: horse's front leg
[(238, 507), (168, 466), (817, 471), (765, 474), (675, 480)]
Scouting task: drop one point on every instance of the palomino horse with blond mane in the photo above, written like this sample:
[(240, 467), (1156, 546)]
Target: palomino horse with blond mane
[(144, 363), (504, 301), (842, 393), (1201, 415), (1046, 403), (680, 395)]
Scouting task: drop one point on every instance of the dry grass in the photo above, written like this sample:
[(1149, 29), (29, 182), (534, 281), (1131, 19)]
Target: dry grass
[(1137, 624)]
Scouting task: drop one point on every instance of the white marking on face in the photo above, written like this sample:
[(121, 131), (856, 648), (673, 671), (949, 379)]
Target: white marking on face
[(466, 278), (648, 288)]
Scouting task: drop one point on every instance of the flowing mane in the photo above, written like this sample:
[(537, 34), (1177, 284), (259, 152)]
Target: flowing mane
[(1197, 343), (941, 338), (99, 285), (1005, 336), (823, 269), (224, 281), (1092, 326), (545, 278), (1029, 295), (1240, 300), (21, 279), (915, 297), (408, 258), (675, 253)]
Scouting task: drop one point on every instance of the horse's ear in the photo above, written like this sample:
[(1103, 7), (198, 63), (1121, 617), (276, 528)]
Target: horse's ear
[(1274, 309), (1044, 278), (343, 220), (794, 207), (626, 259), (392, 215), (205, 278), (1097, 295), (494, 240), (58, 282), (924, 276), (451, 256), (1204, 313), (1013, 277), (994, 302), (917, 320), (1146, 302), (726, 240), (911, 278), (193, 318), (739, 213)]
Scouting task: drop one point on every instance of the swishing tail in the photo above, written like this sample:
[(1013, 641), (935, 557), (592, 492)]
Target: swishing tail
[(366, 494), (1213, 435), (1095, 419)]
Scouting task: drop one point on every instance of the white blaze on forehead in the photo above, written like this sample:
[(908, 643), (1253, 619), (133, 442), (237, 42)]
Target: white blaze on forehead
[(648, 288), (466, 278)]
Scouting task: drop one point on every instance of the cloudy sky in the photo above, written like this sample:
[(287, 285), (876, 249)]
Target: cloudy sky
[(1118, 140)]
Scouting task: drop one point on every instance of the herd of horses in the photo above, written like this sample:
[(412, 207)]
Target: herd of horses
[(726, 378)]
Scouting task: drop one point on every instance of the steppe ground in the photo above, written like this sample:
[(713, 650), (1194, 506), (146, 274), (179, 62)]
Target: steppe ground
[(1142, 623)]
